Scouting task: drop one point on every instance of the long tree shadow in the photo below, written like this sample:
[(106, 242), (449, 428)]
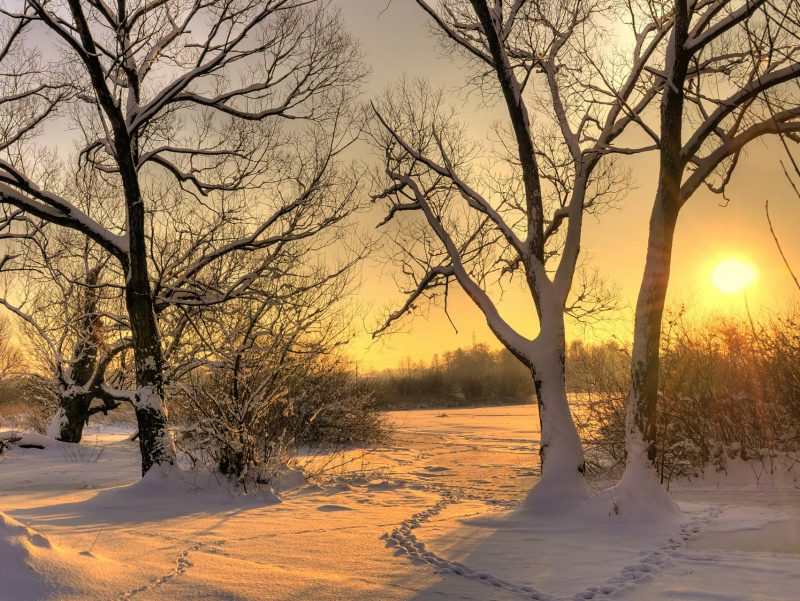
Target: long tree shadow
[(153, 499)]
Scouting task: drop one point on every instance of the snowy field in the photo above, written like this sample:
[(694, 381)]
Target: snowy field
[(434, 516)]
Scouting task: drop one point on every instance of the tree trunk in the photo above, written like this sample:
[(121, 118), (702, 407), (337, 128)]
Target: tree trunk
[(643, 401), (639, 491), (73, 413), (639, 479), (155, 443), (562, 459)]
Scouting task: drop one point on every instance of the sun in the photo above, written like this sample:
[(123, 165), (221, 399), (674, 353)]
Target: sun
[(733, 275)]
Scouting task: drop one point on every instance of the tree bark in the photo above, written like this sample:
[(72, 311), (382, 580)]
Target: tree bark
[(154, 440), (155, 443), (74, 406), (642, 413), (72, 414)]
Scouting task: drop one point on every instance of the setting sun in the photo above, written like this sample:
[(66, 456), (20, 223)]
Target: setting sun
[(733, 275)]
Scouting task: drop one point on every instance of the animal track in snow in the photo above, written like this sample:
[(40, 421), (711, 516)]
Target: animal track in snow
[(182, 563), (654, 561), (405, 541)]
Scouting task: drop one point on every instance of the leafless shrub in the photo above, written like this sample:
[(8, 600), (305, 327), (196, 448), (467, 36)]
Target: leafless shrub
[(76, 453), (728, 389), (599, 381), (318, 403), (28, 403), (265, 377)]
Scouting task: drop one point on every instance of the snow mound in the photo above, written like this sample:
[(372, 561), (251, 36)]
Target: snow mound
[(777, 471), (638, 497), (556, 497), (289, 479), (19, 547), (28, 439), (16, 534), (184, 487), (169, 492)]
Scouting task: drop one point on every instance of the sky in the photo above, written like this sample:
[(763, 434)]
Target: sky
[(396, 41)]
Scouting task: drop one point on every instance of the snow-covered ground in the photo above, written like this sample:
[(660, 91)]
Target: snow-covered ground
[(435, 516)]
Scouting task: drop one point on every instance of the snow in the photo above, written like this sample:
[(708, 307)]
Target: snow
[(437, 514), (57, 422), (639, 495)]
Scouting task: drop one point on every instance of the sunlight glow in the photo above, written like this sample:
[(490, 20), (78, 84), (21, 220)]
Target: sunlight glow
[(733, 275)]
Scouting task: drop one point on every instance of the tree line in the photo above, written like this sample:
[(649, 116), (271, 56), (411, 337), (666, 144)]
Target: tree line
[(481, 375)]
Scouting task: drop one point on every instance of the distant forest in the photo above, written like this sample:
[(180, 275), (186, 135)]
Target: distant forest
[(480, 375)]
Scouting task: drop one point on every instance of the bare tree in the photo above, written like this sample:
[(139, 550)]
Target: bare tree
[(730, 71), (243, 398), (570, 90), (191, 90), (69, 299)]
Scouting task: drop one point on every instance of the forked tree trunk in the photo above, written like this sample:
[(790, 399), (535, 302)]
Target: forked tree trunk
[(73, 406)]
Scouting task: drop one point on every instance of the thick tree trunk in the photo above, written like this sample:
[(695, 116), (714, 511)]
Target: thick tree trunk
[(642, 413), (155, 443), (639, 491), (561, 452), (639, 481), (73, 413)]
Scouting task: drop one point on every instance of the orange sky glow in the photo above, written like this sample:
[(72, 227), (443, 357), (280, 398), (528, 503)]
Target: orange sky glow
[(396, 41)]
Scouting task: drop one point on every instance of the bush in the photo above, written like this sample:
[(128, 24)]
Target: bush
[(249, 427), (727, 389), (27, 402)]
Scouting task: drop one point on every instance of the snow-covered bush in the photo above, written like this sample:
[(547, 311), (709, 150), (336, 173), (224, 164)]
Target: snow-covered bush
[(266, 378), (27, 402), (249, 424)]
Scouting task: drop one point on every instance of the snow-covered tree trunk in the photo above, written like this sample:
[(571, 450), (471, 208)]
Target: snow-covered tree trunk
[(560, 450), (154, 440), (641, 418), (639, 490), (73, 412), (73, 400)]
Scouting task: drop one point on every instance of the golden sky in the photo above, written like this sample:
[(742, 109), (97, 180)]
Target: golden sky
[(396, 41)]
